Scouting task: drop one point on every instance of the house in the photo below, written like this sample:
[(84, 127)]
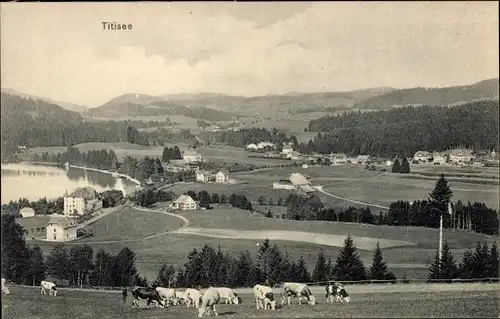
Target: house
[(191, 157), (262, 145), (204, 176), (86, 193), (34, 226), (74, 206), (293, 155), (213, 128), (61, 229), (337, 158), (251, 146), (286, 149), (422, 156), (362, 159), (296, 181), (222, 176), (439, 158), (461, 155), (184, 202), (27, 212), (283, 184), (305, 166)]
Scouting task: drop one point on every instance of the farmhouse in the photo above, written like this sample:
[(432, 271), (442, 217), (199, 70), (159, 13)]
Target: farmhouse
[(439, 158), (222, 176), (213, 128), (422, 156), (286, 149), (297, 182), (461, 155), (27, 212), (191, 157), (337, 158), (61, 229), (184, 202), (204, 176), (33, 226), (74, 206), (283, 184)]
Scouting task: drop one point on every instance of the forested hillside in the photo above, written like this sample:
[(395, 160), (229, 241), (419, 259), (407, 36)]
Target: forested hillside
[(403, 131), (487, 89), (35, 123)]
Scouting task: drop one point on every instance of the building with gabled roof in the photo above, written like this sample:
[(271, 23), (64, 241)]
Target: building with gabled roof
[(184, 202), (61, 229)]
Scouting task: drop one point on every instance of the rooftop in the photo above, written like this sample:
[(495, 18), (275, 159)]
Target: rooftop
[(182, 199), (63, 222)]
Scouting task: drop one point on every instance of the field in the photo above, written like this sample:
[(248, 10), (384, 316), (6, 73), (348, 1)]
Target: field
[(412, 301)]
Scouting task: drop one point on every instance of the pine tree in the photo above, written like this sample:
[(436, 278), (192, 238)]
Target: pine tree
[(15, 252), (302, 274), (320, 272), (405, 166), (435, 268), (439, 199), (166, 277), (378, 269), (58, 263), (395, 166), (204, 199), (37, 265), (215, 198), (493, 261), (244, 276), (481, 258), (348, 266), (448, 266), (123, 269), (269, 214), (466, 267)]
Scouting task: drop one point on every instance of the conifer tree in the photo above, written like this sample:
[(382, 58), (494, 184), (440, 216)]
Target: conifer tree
[(448, 266), (481, 257), (466, 267), (378, 269), (302, 274), (348, 266), (320, 271), (435, 268), (15, 252), (439, 199), (395, 166), (405, 166), (493, 261)]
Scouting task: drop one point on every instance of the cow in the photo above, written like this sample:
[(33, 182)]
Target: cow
[(180, 296), (338, 291), (210, 298), (264, 294), (294, 289), (193, 298), (167, 295), (5, 289), (48, 286), (146, 293), (229, 295)]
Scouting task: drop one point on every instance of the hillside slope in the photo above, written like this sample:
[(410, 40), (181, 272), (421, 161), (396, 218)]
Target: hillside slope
[(64, 105), (487, 89)]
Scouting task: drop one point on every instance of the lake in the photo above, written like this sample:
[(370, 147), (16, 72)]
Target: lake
[(37, 181)]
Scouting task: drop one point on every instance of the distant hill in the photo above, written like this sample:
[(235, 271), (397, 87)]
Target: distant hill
[(134, 105), (64, 105), (487, 89)]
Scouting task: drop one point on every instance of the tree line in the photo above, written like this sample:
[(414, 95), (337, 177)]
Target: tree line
[(247, 136), (404, 131), (401, 166), (480, 263), (41, 206), (100, 159)]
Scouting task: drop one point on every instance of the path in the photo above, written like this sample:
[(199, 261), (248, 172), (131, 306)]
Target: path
[(320, 189)]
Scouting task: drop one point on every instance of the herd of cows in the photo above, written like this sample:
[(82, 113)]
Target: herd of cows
[(206, 299)]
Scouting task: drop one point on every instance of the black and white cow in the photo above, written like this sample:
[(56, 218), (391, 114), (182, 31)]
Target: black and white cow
[(150, 294), (338, 291), (294, 289), (48, 286)]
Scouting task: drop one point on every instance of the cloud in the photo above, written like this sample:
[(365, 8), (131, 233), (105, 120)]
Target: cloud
[(61, 51)]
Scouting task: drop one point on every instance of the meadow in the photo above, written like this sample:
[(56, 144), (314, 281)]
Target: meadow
[(457, 301)]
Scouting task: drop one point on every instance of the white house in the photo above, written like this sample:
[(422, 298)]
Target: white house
[(283, 184), (61, 229), (251, 146), (184, 202), (27, 212), (439, 158), (286, 149), (422, 156), (222, 176), (203, 176), (293, 155), (191, 157), (295, 181), (262, 145), (461, 155), (74, 206), (337, 158)]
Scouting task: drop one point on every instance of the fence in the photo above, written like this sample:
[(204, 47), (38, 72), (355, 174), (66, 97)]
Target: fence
[(489, 280)]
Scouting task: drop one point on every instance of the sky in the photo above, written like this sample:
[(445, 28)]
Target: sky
[(60, 50)]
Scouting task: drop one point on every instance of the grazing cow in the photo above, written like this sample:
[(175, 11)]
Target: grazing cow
[(229, 295), (210, 298), (146, 293), (5, 289), (167, 295), (264, 294), (294, 289), (338, 291), (48, 286), (193, 298), (180, 296)]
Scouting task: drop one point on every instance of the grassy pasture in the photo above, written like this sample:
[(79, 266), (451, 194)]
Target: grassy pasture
[(26, 302)]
